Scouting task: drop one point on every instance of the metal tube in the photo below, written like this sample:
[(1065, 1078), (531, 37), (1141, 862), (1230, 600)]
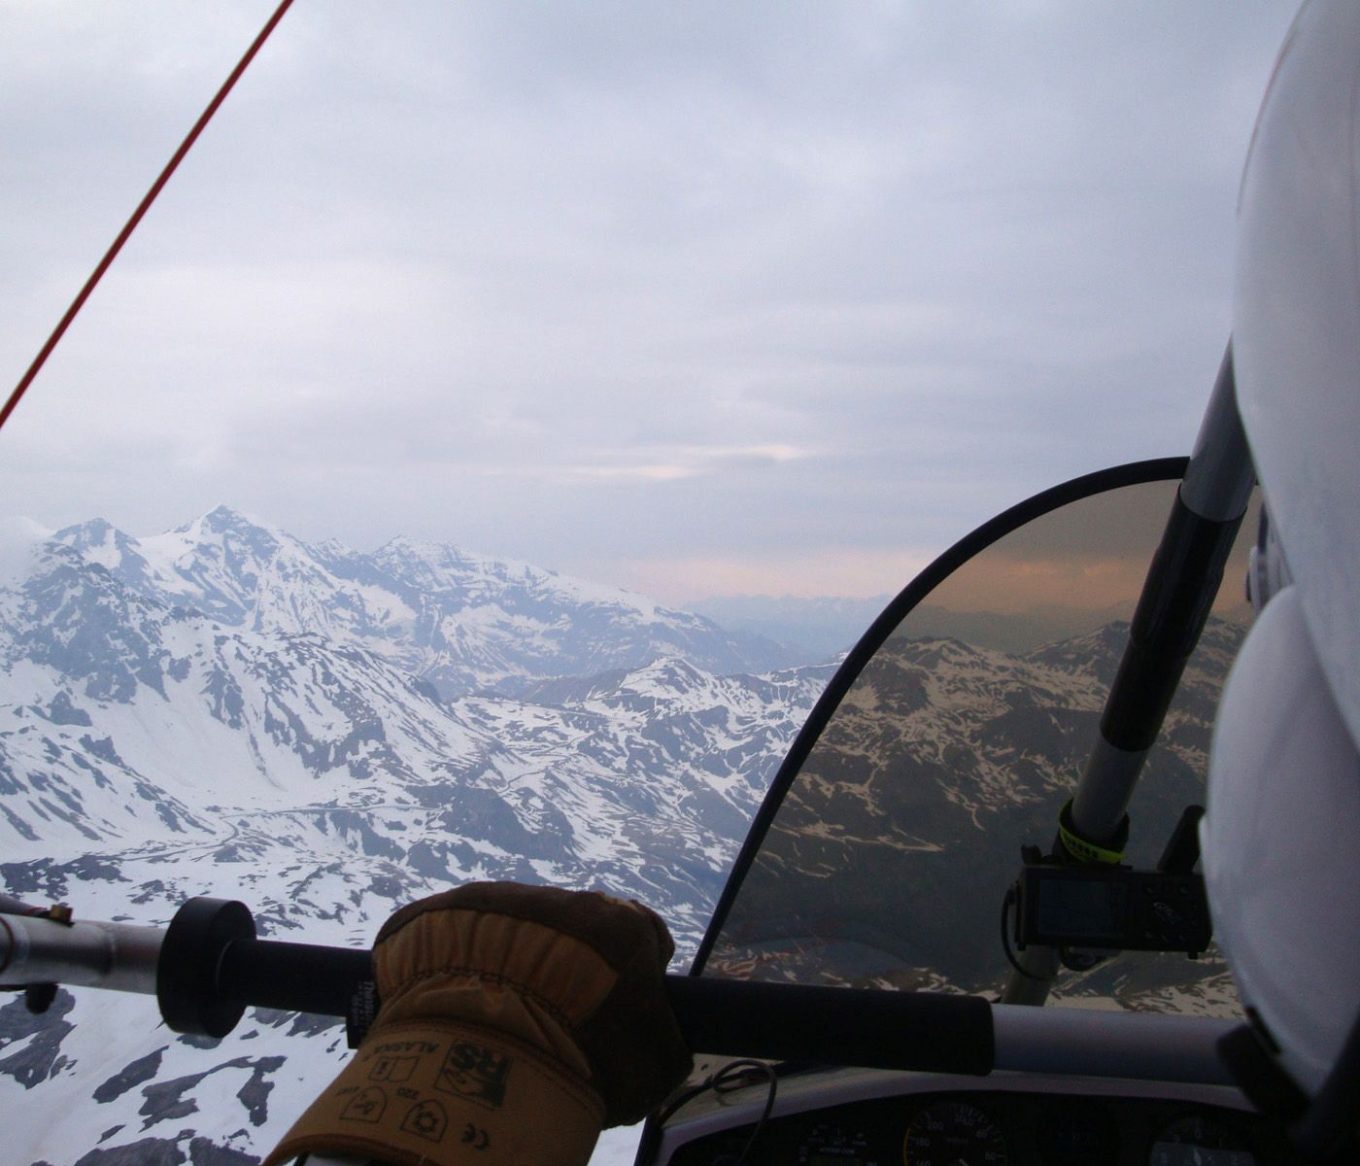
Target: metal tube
[(1095, 1043), (1219, 479), (1039, 967), (91, 955), (1106, 786)]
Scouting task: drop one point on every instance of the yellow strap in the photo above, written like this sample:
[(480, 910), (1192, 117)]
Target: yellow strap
[(1079, 848)]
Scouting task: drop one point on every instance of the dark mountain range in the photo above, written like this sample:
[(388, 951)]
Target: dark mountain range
[(941, 760)]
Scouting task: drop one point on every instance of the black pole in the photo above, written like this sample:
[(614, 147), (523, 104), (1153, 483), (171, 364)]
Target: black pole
[(211, 968), (932, 1032)]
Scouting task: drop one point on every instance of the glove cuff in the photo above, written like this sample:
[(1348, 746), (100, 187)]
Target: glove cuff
[(448, 1094)]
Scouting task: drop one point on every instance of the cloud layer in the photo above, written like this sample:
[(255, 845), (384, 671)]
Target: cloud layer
[(771, 298)]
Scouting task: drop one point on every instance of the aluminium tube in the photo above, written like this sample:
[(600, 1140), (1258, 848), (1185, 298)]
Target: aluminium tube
[(1098, 1043), (89, 955)]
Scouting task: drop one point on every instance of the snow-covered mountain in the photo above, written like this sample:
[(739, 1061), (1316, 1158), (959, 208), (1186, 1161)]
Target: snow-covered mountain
[(460, 621), (224, 710)]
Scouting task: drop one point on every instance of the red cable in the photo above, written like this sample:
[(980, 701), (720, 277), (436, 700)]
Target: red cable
[(142, 208)]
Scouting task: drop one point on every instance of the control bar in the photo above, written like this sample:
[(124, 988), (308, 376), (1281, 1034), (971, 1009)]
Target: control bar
[(208, 967)]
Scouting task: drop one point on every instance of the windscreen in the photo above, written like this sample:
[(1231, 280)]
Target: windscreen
[(887, 862)]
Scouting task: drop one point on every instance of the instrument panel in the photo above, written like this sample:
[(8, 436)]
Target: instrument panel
[(999, 1128)]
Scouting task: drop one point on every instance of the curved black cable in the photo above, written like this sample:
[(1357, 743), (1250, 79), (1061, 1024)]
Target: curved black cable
[(1006, 904)]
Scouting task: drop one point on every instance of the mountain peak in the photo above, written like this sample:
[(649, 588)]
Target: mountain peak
[(93, 532), (225, 514), (238, 534), (99, 541), (19, 539), (222, 519)]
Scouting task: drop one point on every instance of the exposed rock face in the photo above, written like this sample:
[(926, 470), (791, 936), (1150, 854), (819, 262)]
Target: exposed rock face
[(895, 847), (225, 710)]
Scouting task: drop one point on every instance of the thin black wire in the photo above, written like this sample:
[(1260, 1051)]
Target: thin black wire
[(732, 1076), (736, 1075), (1006, 905)]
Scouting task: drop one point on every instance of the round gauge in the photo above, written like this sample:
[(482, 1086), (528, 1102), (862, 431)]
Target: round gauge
[(953, 1133), (1198, 1140)]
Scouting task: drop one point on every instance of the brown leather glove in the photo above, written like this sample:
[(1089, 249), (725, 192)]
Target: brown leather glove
[(515, 1023)]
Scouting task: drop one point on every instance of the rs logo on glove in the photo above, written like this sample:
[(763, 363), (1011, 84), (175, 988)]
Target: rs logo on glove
[(475, 1072)]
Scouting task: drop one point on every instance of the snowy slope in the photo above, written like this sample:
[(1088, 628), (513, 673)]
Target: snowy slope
[(224, 711)]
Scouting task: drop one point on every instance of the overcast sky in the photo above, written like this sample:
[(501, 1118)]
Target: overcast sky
[(697, 299)]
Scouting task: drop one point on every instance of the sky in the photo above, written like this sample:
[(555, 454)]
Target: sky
[(703, 299)]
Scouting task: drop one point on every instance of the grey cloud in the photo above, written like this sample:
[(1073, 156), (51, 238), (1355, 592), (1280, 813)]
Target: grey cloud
[(434, 259)]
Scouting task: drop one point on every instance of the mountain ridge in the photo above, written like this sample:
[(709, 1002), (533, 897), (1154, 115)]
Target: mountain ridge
[(150, 753), (460, 621)]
